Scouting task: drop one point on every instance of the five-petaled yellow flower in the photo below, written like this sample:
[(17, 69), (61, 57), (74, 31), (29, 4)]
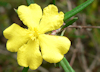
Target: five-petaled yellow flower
[(33, 45)]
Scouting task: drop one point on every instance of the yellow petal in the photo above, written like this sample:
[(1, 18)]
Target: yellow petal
[(53, 48), (16, 36), (30, 15), (51, 19), (29, 55)]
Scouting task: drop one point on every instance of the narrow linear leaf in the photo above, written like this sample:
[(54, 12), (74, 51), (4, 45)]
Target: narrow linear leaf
[(70, 22), (77, 9), (68, 65), (29, 1), (64, 66)]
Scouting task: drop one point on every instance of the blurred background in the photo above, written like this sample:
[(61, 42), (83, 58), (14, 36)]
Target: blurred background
[(84, 53)]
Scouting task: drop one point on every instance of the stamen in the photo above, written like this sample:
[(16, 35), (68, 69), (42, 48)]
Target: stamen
[(33, 34)]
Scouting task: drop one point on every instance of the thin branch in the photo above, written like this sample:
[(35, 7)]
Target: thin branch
[(83, 27), (73, 57)]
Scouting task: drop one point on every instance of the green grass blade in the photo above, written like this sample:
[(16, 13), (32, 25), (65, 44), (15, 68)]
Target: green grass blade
[(77, 9)]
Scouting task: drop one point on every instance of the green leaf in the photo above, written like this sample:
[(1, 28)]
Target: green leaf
[(3, 3), (77, 9), (25, 69), (29, 1), (70, 22), (57, 65), (54, 2), (15, 10)]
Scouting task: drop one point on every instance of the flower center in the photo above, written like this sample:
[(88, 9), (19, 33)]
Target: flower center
[(33, 33)]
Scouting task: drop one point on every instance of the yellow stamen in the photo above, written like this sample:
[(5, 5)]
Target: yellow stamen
[(34, 33)]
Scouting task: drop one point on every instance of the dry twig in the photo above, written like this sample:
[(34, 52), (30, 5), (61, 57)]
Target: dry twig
[(83, 27)]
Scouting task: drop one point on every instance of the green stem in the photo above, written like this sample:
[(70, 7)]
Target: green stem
[(54, 2), (62, 33), (77, 9), (25, 69), (64, 66)]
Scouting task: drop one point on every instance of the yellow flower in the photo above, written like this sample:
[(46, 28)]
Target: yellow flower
[(33, 45)]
